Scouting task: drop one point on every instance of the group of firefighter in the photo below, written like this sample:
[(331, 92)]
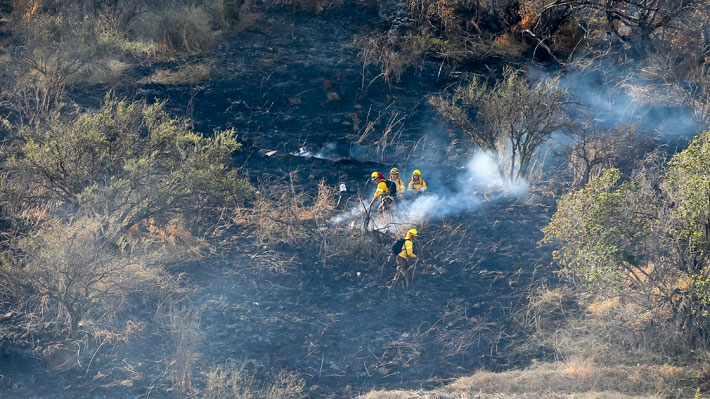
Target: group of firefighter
[(387, 191)]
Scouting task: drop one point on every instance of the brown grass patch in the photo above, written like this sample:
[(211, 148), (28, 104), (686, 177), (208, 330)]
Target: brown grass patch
[(184, 75), (506, 45), (186, 31), (575, 379), (603, 306), (247, 19)]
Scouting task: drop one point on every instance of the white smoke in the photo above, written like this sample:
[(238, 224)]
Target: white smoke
[(478, 184), (329, 152), (614, 95)]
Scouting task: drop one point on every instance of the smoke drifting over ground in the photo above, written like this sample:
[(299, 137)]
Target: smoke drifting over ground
[(478, 184), (608, 96), (612, 96), (329, 152)]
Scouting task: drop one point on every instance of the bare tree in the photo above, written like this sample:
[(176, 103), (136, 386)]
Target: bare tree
[(637, 18), (72, 272), (597, 149), (511, 120)]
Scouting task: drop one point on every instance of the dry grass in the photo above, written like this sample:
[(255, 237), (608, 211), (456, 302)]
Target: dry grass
[(506, 45), (188, 74), (284, 216), (233, 381), (564, 380), (247, 19), (281, 214), (186, 31), (172, 238), (104, 72), (316, 6)]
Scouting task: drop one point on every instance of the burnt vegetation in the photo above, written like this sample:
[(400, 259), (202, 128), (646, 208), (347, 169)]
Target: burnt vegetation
[(171, 222)]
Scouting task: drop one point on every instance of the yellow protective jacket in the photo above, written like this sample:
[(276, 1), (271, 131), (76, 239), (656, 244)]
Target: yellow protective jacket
[(417, 186), (408, 248), (381, 191), (400, 185)]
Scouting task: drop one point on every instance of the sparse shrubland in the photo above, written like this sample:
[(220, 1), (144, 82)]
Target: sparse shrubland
[(71, 294), (95, 205), (55, 44), (162, 29), (635, 251), (101, 207), (665, 41)]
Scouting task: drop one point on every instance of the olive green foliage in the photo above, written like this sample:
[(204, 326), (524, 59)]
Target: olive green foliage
[(510, 120), (126, 161), (591, 223), (644, 240), (688, 186)]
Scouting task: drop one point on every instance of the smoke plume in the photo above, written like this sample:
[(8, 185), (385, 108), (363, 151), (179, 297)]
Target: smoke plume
[(477, 184)]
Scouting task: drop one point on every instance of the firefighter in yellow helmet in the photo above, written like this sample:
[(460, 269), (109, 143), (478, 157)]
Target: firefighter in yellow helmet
[(384, 191), (417, 185), (394, 176), (406, 259)]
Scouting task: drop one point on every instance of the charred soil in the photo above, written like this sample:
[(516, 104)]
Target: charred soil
[(288, 82)]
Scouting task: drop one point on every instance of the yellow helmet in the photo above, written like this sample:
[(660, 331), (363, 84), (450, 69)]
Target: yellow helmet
[(413, 232), (376, 175), (394, 170), (416, 173)]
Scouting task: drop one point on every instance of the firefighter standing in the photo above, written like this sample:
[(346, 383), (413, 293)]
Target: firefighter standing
[(406, 259), (417, 185), (394, 176), (383, 192)]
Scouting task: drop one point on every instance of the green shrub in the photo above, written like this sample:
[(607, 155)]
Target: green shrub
[(127, 161), (646, 241)]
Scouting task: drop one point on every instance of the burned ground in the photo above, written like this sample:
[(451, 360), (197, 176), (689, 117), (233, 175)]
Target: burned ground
[(292, 82)]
